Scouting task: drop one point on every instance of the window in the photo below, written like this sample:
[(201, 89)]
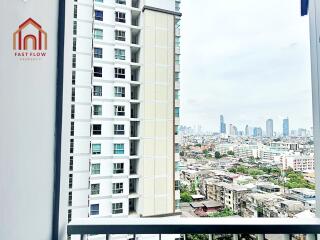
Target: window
[(96, 129), (95, 168), (97, 110), (71, 145), (98, 33), (177, 41), (119, 92), (120, 35), (120, 73), (97, 71), (177, 76), (99, 1), (177, 112), (95, 189), (75, 11), (117, 188), (118, 148), (73, 77), (177, 185), (118, 129), (73, 94), (97, 91), (177, 147), (74, 27), (69, 215), (118, 168), (96, 148), (70, 199), (97, 52), (74, 61), (117, 208), (120, 17), (121, 1), (176, 129), (119, 111), (70, 180), (98, 15), (120, 54), (177, 59), (72, 129), (94, 209), (71, 164), (177, 94), (74, 44), (72, 111)]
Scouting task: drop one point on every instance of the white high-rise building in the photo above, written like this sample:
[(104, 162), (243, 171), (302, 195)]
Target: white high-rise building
[(124, 138)]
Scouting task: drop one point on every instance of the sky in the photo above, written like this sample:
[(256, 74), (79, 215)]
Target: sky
[(248, 60)]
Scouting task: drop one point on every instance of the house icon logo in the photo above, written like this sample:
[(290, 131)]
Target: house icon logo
[(30, 41)]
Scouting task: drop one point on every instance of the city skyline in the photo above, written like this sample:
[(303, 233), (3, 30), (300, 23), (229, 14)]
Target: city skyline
[(243, 71)]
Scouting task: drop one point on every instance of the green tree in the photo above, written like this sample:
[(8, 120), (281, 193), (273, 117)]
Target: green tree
[(226, 212), (185, 197), (197, 237), (217, 155), (230, 153)]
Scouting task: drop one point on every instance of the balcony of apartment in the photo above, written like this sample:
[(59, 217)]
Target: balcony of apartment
[(135, 3), (134, 112), (135, 74), (134, 148), (134, 130), (134, 94), (231, 228), (134, 168), (135, 38), (133, 206), (135, 17), (133, 188), (135, 57)]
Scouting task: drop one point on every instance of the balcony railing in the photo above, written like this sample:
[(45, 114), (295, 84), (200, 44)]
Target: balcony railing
[(287, 227)]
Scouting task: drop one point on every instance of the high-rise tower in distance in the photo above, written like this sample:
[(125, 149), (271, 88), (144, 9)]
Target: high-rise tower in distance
[(222, 125), (269, 128), (285, 127)]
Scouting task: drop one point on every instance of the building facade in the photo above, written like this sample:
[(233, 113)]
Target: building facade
[(124, 136), (269, 128), (285, 127), (222, 125)]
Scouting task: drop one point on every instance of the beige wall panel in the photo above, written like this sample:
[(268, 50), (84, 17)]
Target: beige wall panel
[(162, 93), (157, 135), (161, 149), (161, 167), (161, 110), (148, 151), (161, 131), (162, 75), (162, 38), (161, 20)]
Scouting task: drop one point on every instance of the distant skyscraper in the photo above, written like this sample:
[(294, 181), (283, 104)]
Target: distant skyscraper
[(246, 130), (222, 125), (285, 127), (257, 132), (269, 128)]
